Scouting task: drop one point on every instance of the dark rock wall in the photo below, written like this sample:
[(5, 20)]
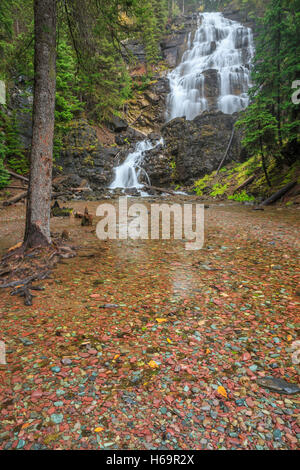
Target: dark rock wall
[(83, 156), (192, 148)]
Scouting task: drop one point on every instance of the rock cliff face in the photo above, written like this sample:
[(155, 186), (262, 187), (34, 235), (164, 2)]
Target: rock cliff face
[(83, 157), (175, 42), (192, 148)]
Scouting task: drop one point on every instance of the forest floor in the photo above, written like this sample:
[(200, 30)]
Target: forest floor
[(145, 345)]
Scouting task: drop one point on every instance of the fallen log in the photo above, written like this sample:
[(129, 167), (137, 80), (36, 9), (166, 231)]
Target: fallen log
[(75, 190), (20, 177), (244, 184), (278, 194), (15, 199), (22, 195), (160, 190), (14, 187)]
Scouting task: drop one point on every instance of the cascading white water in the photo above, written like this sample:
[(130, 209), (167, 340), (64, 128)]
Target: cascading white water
[(222, 47), (127, 174)]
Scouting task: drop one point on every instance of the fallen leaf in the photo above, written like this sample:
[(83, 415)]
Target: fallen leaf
[(99, 429), (221, 390), (152, 364), (25, 425)]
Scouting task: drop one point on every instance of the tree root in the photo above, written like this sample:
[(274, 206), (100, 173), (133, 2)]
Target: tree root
[(21, 267)]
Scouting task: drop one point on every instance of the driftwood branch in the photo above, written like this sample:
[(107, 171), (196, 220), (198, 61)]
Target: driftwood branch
[(227, 150), (161, 190), (244, 184), (15, 199), (278, 194)]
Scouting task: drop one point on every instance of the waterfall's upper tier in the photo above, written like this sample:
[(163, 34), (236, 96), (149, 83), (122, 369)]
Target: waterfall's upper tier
[(214, 73)]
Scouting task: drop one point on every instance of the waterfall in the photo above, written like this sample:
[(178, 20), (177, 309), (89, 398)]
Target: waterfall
[(214, 74), (127, 174), (219, 55)]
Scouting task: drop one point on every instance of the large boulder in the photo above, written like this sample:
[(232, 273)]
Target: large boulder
[(158, 166), (117, 124)]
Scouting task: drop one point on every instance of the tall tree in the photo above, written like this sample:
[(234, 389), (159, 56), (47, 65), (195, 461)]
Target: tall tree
[(37, 230)]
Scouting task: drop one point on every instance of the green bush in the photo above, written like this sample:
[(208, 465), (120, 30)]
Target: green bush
[(241, 197)]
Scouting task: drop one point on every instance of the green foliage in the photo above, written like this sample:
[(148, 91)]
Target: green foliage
[(67, 104), (148, 28), (241, 197), (202, 184), (260, 127), (4, 175), (6, 24), (218, 189), (273, 120), (12, 151)]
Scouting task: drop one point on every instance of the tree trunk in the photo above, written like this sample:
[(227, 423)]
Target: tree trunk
[(37, 230), (263, 161), (279, 77)]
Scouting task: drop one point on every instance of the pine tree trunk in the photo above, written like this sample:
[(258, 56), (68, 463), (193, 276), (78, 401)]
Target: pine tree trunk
[(279, 77), (37, 230), (263, 161)]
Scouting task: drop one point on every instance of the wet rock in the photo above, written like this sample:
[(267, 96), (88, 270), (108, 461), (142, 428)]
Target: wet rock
[(175, 44), (192, 148), (117, 124), (132, 47), (130, 136), (278, 385), (84, 158)]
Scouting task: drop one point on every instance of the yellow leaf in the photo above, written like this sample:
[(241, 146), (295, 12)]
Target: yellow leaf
[(161, 320), (99, 429), (289, 337), (169, 341), (222, 391), (25, 425), (207, 351), (152, 364), (116, 357)]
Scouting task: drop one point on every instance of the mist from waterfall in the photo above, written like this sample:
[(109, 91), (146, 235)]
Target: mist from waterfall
[(219, 45)]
